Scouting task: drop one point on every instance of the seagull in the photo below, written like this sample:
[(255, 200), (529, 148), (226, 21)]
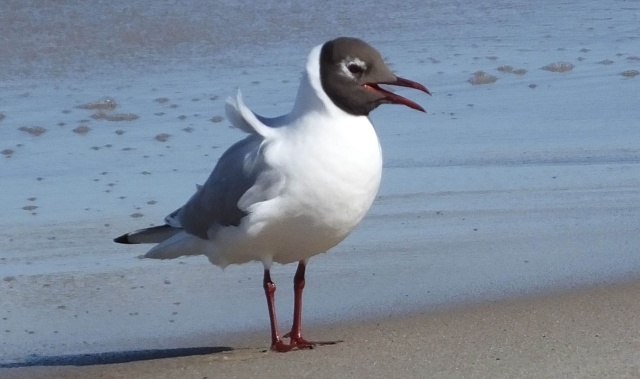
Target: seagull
[(298, 184)]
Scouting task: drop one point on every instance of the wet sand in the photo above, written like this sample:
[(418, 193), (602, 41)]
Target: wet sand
[(591, 332), (522, 178)]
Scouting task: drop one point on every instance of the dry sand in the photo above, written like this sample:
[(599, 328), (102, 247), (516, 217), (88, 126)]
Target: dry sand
[(584, 333), (517, 184)]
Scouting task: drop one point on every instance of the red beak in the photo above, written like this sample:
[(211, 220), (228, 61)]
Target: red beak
[(396, 99)]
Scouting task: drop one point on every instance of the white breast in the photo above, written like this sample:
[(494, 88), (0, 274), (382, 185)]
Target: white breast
[(332, 175)]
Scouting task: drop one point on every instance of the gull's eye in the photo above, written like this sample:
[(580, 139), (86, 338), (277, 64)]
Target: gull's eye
[(355, 69)]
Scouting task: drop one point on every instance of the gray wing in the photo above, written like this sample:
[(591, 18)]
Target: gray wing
[(239, 169)]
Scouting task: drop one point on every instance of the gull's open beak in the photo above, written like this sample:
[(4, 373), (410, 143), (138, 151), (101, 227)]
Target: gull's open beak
[(396, 99)]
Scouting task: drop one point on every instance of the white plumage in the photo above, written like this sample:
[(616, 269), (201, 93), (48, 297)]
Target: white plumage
[(298, 184)]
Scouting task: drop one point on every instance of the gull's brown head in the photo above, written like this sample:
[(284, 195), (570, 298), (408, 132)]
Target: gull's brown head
[(351, 72)]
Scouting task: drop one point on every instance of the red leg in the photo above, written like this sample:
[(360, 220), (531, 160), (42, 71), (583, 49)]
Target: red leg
[(296, 329), (297, 342), (269, 291)]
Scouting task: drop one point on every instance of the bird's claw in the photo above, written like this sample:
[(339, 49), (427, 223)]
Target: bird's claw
[(298, 343), (282, 347)]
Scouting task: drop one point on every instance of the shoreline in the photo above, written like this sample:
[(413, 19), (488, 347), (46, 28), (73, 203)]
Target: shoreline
[(578, 333)]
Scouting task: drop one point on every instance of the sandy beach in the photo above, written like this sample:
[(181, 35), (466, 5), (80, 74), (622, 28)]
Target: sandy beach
[(504, 241), (588, 333)]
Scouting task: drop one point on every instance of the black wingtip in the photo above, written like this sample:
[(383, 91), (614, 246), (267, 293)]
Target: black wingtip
[(122, 239)]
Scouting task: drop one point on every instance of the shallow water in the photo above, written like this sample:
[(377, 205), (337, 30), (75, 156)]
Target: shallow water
[(527, 184)]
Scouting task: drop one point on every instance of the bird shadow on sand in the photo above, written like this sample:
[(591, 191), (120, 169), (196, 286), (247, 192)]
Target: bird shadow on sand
[(113, 357)]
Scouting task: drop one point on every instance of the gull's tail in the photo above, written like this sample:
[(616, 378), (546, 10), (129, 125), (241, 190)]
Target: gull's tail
[(155, 234), (171, 242)]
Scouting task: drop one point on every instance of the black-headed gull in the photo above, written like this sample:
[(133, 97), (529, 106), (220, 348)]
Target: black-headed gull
[(298, 184)]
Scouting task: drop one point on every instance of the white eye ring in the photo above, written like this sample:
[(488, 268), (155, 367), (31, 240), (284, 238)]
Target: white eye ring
[(353, 67)]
